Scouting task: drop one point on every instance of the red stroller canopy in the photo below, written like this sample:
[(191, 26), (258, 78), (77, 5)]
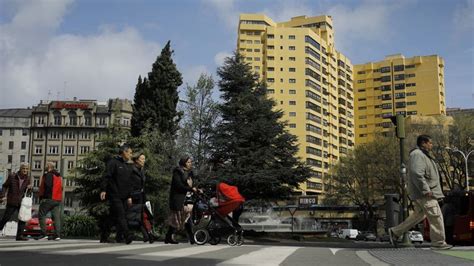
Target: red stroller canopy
[(229, 198)]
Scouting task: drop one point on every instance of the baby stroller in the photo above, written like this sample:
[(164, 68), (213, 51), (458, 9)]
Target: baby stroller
[(211, 215)]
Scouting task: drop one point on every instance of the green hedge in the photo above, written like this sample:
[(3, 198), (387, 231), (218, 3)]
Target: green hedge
[(79, 226)]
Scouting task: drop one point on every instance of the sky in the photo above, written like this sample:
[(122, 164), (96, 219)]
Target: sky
[(96, 49)]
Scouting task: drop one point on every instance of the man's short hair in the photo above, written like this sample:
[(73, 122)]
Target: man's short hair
[(24, 164), (123, 148), (50, 164), (422, 139)]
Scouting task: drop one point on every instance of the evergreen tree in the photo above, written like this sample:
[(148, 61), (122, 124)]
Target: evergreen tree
[(156, 98), (139, 106), (251, 147)]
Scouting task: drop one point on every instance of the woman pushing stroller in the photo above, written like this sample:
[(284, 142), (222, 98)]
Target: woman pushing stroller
[(180, 210)]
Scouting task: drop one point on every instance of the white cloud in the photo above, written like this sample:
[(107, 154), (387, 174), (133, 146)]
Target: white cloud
[(191, 74), (285, 10), (366, 22), (463, 16), (225, 10), (220, 57), (98, 66)]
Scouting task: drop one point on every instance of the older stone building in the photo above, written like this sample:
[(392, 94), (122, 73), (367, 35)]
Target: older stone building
[(63, 132), (14, 139)]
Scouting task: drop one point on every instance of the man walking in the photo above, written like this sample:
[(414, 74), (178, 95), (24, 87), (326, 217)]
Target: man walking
[(425, 190), (50, 195), (15, 187), (117, 187)]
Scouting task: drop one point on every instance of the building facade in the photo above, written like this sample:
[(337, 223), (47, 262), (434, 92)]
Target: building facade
[(396, 85), (14, 139), (63, 132), (309, 80)]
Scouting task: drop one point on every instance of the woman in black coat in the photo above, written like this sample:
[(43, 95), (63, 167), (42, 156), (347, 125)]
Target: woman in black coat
[(181, 184), (138, 194)]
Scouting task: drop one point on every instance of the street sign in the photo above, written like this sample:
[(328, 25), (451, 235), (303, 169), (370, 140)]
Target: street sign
[(292, 209)]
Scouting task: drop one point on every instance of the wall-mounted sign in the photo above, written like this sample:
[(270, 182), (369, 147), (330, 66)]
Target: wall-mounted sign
[(307, 201), (70, 105)]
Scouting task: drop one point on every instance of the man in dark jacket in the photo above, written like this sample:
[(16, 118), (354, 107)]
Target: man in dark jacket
[(117, 187), (16, 186), (51, 196)]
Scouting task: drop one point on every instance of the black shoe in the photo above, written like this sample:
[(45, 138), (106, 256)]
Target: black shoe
[(170, 241), (129, 239), (107, 240), (21, 238), (151, 238)]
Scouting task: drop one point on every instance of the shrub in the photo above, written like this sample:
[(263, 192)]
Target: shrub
[(79, 225)]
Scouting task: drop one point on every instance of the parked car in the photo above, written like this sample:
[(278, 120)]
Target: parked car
[(32, 227), (415, 237), (348, 233), (366, 236)]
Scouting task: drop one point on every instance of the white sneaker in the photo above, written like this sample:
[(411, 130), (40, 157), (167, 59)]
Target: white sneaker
[(57, 238), (41, 237)]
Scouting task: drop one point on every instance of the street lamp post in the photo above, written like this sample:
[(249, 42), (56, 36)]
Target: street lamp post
[(466, 157)]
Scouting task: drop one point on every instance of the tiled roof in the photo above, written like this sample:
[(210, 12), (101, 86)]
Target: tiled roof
[(15, 112)]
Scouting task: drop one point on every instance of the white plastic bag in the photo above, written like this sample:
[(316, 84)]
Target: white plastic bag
[(24, 214)]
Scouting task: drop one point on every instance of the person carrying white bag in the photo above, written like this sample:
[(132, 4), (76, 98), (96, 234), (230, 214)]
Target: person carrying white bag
[(13, 190)]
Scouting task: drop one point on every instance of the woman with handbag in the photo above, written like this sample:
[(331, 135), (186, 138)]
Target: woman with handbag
[(15, 187)]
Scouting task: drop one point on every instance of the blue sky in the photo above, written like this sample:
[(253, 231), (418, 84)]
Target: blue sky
[(95, 49)]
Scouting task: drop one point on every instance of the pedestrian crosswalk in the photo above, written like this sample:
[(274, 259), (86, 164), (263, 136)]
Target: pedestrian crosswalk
[(95, 253), (221, 254)]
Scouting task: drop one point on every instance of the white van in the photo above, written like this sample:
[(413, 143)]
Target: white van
[(348, 233)]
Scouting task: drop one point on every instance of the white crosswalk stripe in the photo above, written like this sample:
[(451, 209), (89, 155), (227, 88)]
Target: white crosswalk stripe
[(106, 248), (265, 256), (177, 253), (44, 246)]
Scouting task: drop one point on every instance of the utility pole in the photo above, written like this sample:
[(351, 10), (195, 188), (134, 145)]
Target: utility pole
[(399, 121)]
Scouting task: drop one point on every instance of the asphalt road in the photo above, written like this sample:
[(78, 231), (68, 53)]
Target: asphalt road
[(90, 252)]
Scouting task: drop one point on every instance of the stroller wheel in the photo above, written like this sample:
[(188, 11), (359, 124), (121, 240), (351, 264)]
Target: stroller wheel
[(232, 240), (215, 240), (201, 236)]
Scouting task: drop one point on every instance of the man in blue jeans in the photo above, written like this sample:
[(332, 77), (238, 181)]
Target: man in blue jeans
[(50, 194)]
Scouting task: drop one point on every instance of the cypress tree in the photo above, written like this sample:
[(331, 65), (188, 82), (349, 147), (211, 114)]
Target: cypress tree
[(156, 98)]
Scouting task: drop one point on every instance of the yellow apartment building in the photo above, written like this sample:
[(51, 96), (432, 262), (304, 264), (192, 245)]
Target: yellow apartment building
[(396, 85), (309, 80)]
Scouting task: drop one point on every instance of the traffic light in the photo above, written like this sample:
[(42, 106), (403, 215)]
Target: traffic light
[(399, 122)]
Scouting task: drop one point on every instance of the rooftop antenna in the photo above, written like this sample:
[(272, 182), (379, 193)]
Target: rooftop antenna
[(49, 95), (64, 89), (57, 95)]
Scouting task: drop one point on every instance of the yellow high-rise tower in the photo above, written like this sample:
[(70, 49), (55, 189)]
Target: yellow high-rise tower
[(396, 85), (310, 81)]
